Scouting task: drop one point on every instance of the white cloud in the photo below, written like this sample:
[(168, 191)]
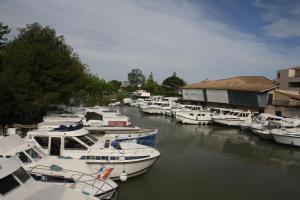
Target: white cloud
[(160, 36), (282, 20)]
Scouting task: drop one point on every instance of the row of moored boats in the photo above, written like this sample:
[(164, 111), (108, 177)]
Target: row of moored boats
[(76, 155), (282, 130)]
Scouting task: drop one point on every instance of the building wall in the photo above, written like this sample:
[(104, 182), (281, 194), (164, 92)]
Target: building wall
[(232, 98), (283, 77), (284, 110), (243, 98), (217, 96), (193, 94), (289, 79)]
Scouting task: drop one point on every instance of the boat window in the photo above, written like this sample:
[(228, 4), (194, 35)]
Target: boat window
[(191, 114), (33, 154), (43, 141), (93, 116), (106, 144), (23, 157), (85, 140), (91, 137), (72, 144), (22, 175), (83, 158), (8, 184), (91, 157), (114, 158)]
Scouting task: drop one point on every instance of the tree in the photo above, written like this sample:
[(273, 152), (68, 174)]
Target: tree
[(114, 85), (172, 84), (38, 69), (151, 85), (4, 30), (136, 79)]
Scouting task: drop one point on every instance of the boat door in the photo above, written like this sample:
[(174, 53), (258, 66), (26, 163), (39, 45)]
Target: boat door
[(55, 146)]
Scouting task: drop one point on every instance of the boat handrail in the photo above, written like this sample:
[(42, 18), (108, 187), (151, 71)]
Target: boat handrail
[(92, 177)]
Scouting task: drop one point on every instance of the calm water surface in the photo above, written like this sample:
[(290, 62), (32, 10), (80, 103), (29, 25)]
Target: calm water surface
[(211, 162)]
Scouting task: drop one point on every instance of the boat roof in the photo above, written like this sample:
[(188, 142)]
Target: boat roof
[(8, 166), (56, 132), (10, 142)]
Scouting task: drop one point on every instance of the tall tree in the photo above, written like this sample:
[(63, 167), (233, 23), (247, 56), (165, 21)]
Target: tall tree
[(172, 84), (4, 30), (38, 69), (136, 79), (151, 85)]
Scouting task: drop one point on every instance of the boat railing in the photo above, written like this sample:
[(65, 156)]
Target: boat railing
[(89, 179)]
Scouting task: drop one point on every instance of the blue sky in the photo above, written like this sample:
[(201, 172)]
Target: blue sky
[(198, 39)]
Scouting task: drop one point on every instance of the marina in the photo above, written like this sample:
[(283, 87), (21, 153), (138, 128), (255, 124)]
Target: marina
[(149, 100), (213, 162)]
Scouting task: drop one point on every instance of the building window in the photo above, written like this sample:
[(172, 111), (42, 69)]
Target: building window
[(278, 75)]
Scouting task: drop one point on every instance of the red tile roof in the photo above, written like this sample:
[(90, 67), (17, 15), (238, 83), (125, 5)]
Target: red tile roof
[(239, 83)]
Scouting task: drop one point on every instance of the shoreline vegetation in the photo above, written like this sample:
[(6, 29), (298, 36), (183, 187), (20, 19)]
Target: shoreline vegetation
[(38, 70)]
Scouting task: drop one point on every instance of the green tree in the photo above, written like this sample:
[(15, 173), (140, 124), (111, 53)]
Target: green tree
[(151, 85), (172, 84), (4, 30), (136, 79), (38, 69), (114, 85)]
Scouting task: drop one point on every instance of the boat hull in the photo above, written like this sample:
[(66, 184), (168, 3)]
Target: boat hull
[(186, 120), (286, 139), (228, 122), (132, 169)]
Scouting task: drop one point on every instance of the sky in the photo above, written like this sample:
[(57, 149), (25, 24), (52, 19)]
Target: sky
[(197, 39)]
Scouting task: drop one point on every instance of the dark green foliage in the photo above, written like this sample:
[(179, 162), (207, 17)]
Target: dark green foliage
[(38, 69), (136, 79), (172, 84), (4, 30), (114, 85), (151, 85)]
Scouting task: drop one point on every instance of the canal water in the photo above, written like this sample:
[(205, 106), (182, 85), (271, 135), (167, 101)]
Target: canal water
[(212, 162)]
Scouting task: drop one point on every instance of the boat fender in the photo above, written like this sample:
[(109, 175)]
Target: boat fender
[(123, 176)]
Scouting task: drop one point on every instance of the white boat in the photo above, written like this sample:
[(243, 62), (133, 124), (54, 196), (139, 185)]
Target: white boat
[(125, 158), (194, 117), (144, 136), (264, 120), (287, 136), (233, 118), (157, 107), (104, 117), (219, 111), (183, 108), (17, 184), (72, 173), (265, 133), (115, 103)]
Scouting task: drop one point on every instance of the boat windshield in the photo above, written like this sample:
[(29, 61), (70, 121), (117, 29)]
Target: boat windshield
[(22, 175), (86, 140), (91, 137), (33, 154), (8, 183)]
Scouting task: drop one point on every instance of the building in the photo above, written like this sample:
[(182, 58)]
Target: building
[(289, 79), (242, 92)]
